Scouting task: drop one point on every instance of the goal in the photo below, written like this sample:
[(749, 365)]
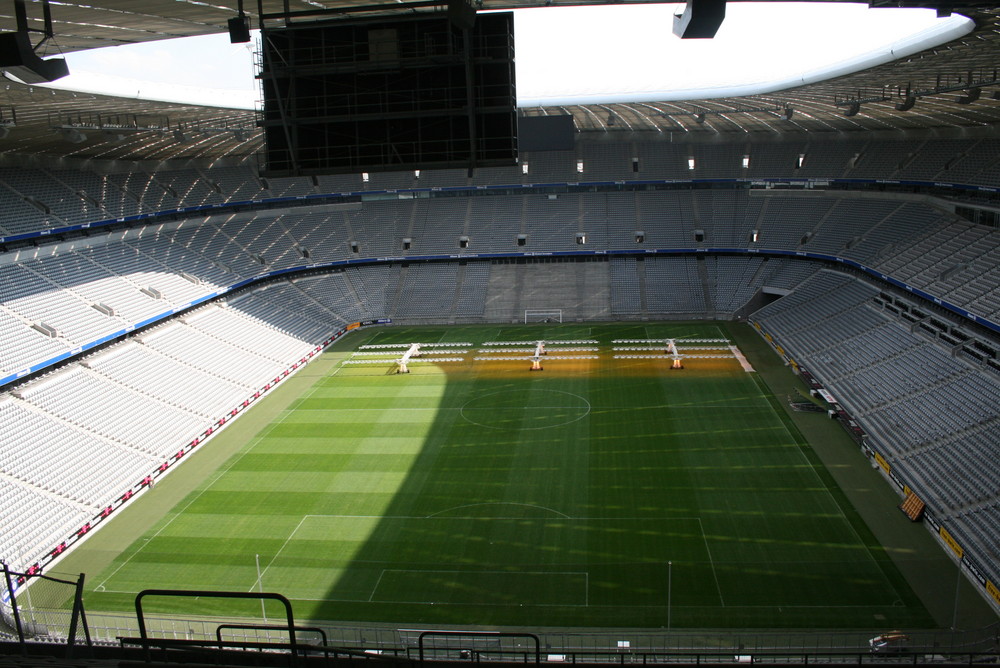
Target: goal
[(542, 315)]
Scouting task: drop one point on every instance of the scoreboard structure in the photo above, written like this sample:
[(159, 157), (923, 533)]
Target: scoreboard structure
[(370, 95)]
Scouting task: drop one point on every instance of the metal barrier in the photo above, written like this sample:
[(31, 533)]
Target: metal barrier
[(584, 646), (267, 627), (78, 616), (261, 596), (474, 653)]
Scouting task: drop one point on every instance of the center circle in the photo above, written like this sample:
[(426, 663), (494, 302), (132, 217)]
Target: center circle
[(511, 410)]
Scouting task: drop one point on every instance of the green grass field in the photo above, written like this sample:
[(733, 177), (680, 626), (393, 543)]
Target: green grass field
[(597, 493)]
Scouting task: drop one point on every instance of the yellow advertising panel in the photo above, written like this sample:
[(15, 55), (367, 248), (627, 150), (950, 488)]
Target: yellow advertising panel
[(881, 462), (353, 325), (993, 591), (955, 547)]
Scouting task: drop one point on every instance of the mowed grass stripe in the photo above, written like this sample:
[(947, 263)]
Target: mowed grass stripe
[(339, 402), (321, 463), (335, 444), (304, 426), (340, 386), (325, 416)]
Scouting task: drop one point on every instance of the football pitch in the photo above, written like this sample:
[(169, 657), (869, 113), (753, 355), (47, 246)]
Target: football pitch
[(598, 492)]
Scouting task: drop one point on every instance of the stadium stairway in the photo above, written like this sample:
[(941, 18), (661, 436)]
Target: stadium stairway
[(707, 287)]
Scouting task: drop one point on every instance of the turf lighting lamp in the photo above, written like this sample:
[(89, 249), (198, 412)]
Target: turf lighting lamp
[(852, 109), (907, 103), (786, 115)]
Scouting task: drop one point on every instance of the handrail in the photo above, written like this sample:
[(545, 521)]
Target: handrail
[(272, 627), (481, 634)]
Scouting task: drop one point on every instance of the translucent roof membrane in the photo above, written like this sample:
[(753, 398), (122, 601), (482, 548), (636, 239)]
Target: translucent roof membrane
[(581, 55), (630, 54)]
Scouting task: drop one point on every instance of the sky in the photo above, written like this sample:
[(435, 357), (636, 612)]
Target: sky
[(579, 55)]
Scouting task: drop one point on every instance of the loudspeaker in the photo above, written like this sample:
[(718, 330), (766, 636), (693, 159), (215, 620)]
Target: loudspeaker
[(239, 30), (19, 58), (701, 19), (462, 14)]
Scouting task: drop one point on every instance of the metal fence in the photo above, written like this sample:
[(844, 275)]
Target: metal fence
[(49, 617), (578, 646)]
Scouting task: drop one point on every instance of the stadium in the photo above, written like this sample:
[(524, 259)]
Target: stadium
[(693, 381)]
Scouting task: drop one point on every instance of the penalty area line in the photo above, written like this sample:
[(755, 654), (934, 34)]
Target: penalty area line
[(259, 581), (711, 562)]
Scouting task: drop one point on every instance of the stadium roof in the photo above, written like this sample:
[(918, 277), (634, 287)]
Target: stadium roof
[(953, 88)]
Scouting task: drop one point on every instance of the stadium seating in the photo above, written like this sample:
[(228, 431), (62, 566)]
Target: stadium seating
[(930, 414), (73, 439)]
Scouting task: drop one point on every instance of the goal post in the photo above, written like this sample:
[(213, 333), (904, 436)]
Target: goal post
[(542, 315)]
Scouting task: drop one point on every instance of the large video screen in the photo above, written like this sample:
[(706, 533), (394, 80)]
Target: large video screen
[(352, 96)]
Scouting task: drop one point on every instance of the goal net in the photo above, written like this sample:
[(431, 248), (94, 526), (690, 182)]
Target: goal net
[(542, 315)]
